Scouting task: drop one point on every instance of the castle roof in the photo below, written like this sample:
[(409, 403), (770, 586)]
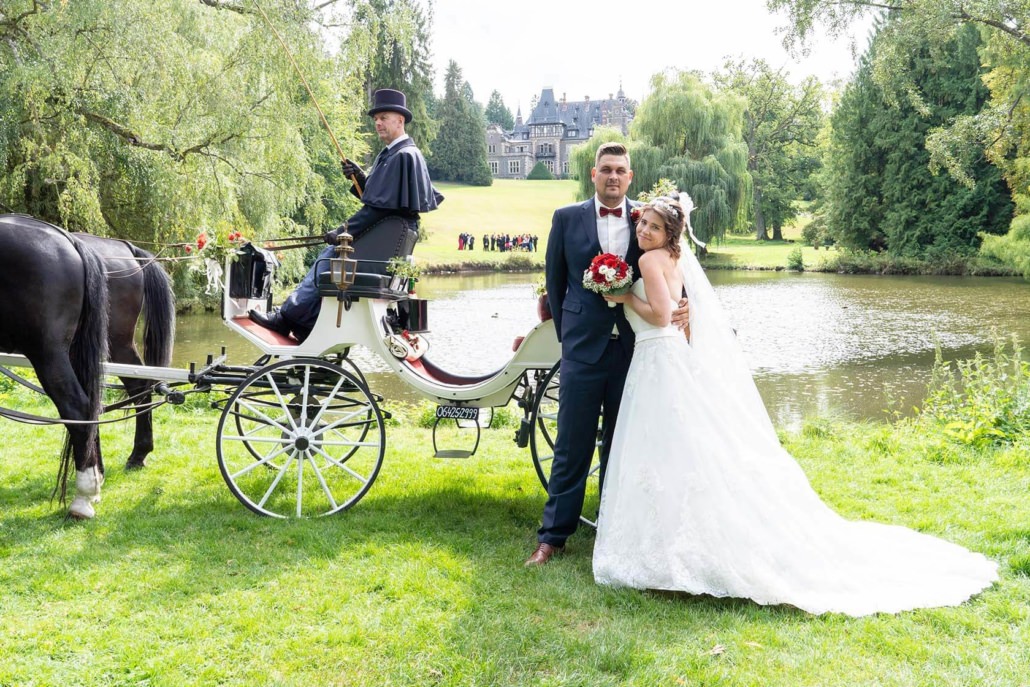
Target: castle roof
[(579, 114)]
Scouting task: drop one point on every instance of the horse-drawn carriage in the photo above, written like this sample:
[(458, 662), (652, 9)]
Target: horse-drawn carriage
[(301, 431)]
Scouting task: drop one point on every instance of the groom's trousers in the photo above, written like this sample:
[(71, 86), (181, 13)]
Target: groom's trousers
[(585, 390)]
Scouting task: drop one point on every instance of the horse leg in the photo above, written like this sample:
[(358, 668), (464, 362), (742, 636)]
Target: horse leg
[(57, 378), (143, 443)]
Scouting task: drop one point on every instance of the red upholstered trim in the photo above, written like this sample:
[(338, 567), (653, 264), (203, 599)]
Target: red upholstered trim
[(418, 368), (424, 367), (266, 335)]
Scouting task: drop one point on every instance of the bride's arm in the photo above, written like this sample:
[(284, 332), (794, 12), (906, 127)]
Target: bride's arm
[(658, 308)]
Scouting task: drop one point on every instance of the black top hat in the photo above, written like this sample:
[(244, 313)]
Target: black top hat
[(389, 100)]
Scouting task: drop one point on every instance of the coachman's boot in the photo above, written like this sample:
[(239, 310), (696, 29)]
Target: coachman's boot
[(273, 320)]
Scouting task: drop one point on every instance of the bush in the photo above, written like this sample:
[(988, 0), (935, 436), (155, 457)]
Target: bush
[(540, 173), (795, 261), (982, 401)]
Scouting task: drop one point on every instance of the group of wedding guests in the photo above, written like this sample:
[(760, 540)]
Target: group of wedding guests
[(506, 242)]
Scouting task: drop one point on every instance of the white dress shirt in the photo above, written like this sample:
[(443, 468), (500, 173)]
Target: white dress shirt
[(613, 232)]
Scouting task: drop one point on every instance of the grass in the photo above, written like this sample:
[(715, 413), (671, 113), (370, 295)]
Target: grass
[(422, 583), (508, 207), (516, 207)]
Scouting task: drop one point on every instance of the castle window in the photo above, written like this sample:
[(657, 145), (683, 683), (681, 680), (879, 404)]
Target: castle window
[(495, 167), (514, 167), (491, 148), (565, 167)]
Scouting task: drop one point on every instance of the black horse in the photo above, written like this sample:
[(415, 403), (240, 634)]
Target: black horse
[(136, 284), (131, 283), (53, 310)]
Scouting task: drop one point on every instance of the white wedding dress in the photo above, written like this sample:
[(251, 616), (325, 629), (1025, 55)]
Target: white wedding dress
[(700, 497)]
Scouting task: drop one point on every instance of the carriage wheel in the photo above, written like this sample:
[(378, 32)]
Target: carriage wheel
[(256, 449), (544, 418), (300, 438)]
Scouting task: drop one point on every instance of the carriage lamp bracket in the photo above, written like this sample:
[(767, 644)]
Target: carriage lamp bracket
[(342, 270)]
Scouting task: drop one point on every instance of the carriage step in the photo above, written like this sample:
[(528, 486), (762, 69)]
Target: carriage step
[(452, 453)]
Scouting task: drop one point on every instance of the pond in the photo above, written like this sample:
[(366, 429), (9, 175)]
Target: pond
[(853, 345)]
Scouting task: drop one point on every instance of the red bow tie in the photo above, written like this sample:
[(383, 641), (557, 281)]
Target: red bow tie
[(611, 211)]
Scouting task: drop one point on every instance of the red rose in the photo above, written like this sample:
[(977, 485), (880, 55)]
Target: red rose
[(634, 214), (189, 249), (201, 241)]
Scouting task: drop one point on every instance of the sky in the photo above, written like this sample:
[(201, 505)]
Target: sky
[(589, 48)]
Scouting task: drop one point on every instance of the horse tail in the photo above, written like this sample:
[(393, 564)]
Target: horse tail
[(158, 309), (87, 353)]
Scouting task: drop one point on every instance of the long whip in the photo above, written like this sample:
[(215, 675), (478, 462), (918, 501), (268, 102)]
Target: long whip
[(325, 122)]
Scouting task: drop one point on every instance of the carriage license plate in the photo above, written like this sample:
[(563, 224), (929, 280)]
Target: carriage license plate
[(457, 413)]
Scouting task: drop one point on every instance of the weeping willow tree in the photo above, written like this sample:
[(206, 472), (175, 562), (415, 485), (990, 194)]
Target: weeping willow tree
[(687, 133), (155, 121)]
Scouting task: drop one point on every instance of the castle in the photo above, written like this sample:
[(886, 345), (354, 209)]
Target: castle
[(554, 127)]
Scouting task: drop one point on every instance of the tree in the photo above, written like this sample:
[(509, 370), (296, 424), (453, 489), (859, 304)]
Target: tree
[(540, 173), (780, 125), (498, 113), (460, 150), (692, 135), (151, 121), (999, 129), (883, 193), (388, 46)]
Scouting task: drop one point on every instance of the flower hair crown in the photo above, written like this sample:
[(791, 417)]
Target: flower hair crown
[(663, 206)]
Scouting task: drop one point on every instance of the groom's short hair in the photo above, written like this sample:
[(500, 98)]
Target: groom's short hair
[(612, 148)]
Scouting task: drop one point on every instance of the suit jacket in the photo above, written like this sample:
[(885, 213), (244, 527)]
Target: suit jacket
[(582, 318)]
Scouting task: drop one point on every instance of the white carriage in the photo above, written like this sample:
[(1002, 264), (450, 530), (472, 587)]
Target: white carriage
[(304, 433)]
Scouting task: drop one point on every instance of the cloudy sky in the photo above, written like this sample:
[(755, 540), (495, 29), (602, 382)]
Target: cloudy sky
[(582, 48)]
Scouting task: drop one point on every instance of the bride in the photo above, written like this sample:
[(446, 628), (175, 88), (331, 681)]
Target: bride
[(699, 495)]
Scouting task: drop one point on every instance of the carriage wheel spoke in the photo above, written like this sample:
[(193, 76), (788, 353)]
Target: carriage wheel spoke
[(328, 401), (342, 466), (325, 487), (262, 462), (282, 403), (274, 484), (261, 416), (336, 423), (300, 485)]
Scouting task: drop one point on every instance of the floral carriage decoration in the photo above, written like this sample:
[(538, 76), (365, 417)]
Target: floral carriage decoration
[(214, 247)]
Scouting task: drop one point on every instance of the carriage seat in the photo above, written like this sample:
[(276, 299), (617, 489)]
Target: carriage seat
[(391, 237)]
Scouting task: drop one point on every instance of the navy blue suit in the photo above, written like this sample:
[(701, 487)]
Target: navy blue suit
[(593, 362)]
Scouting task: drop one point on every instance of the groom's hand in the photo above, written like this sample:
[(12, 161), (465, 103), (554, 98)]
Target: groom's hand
[(681, 316)]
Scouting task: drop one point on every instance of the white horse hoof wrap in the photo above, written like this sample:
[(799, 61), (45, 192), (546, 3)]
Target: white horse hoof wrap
[(81, 509), (87, 492)]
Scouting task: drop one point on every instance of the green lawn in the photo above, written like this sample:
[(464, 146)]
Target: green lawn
[(514, 207), (422, 583), (744, 252), (508, 207)]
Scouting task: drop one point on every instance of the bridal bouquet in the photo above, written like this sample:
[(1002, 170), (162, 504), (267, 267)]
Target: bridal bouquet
[(608, 275)]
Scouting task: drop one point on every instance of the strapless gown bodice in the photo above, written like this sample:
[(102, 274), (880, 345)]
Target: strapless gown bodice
[(643, 329)]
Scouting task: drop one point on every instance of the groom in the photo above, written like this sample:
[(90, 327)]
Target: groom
[(596, 340)]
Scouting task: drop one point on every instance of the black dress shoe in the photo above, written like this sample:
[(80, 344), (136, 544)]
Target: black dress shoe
[(274, 321)]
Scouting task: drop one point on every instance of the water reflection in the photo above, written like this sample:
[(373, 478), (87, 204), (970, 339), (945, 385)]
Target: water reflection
[(818, 343)]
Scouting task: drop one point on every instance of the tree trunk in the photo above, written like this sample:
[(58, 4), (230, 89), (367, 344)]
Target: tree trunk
[(760, 233), (777, 233)]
